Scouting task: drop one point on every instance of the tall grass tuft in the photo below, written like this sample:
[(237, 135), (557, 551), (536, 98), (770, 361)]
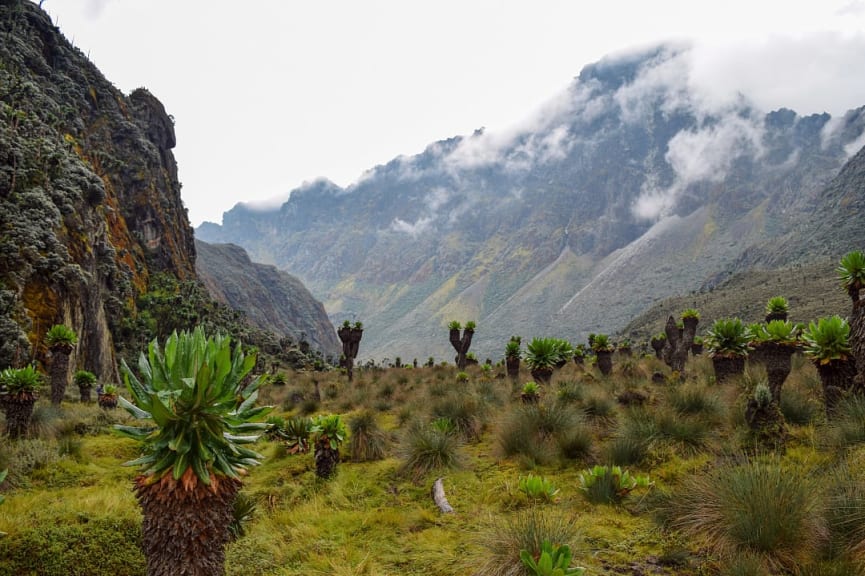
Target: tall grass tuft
[(524, 530), (845, 514), (366, 440), (798, 407), (695, 401), (425, 448), (464, 410), (600, 408), (760, 508), (576, 443), (534, 432), (848, 426)]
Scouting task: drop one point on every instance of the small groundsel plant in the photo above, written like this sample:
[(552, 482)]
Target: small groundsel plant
[(242, 512), (851, 273), (777, 305), (328, 429), (537, 488), (18, 382), (60, 335), (691, 313), (553, 560), (610, 484), (531, 389), (762, 395), (84, 379), (295, 432), (601, 343), (727, 337), (827, 340), (776, 332), (512, 348)]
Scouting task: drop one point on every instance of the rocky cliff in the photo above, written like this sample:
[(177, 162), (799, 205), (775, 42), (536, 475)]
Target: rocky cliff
[(629, 188), (271, 299), (90, 203)]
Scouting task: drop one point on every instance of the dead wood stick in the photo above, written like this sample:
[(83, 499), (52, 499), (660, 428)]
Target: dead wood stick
[(438, 495)]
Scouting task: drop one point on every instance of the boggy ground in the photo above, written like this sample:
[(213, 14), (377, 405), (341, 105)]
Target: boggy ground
[(69, 505)]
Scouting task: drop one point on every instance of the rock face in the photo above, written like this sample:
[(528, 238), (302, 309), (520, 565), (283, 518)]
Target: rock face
[(272, 300), (90, 202), (627, 190)]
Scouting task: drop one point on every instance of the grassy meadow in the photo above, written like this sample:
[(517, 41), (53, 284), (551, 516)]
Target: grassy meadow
[(718, 501)]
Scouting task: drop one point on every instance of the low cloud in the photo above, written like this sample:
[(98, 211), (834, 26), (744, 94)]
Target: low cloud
[(702, 155), (542, 137), (434, 201), (412, 229)]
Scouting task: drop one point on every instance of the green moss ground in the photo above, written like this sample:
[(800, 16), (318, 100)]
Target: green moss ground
[(77, 514)]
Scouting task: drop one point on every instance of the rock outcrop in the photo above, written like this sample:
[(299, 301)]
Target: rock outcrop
[(271, 299), (90, 203)]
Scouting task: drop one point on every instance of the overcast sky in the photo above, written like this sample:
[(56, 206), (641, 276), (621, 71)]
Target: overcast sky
[(281, 91)]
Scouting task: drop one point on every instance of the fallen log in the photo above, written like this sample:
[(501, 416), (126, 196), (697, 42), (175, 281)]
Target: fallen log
[(438, 496)]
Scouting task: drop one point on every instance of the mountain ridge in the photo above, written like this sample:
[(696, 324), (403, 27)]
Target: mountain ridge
[(629, 170), (271, 299)]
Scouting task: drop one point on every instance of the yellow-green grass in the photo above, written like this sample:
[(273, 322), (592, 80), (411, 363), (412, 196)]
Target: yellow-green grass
[(373, 519)]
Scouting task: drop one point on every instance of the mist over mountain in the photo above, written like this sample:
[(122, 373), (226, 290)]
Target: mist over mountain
[(633, 185)]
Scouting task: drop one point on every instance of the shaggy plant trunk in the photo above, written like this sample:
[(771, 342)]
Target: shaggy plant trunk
[(782, 316), (326, 459), (461, 345), (605, 362), (19, 411), (836, 377), (658, 346), (777, 359), (679, 342), (727, 366), (542, 375), (766, 424), (84, 392), (107, 401), (350, 338), (185, 529), (696, 349), (857, 337), (513, 367), (59, 372)]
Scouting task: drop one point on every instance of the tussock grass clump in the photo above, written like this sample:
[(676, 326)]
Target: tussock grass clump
[(759, 508), (533, 431), (645, 430), (523, 530), (696, 401), (366, 440), (845, 514), (576, 443), (425, 448), (848, 427), (600, 407), (464, 410), (569, 392), (627, 451), (798, 407), (45, 420)]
